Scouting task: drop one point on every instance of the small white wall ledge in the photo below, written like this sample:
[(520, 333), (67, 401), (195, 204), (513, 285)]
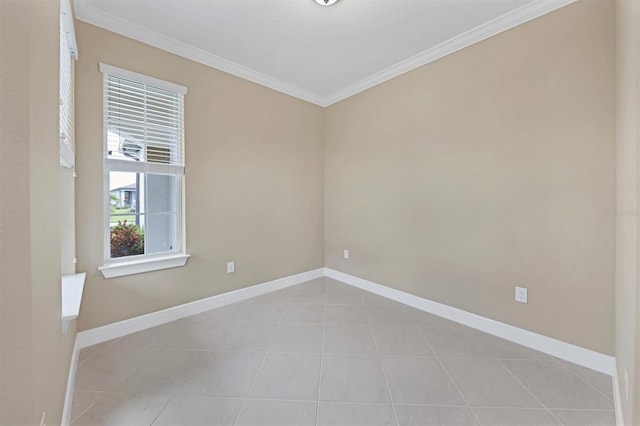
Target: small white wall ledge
[(72, 288), (146, 264)]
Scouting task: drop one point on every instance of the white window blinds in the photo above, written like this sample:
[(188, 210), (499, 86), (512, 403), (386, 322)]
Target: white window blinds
[(144, 122), (66, 101)]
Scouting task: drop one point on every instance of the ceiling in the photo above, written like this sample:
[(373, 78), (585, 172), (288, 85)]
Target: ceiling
[(321, 54)]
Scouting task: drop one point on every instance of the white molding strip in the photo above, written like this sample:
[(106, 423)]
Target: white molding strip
[(87, 13), (572, 353), (66, 17), (68, 397), (482, 32), (617, 399), (143, 322), (147, 264)]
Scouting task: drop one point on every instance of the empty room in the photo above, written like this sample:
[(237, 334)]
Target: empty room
[(319, 212)]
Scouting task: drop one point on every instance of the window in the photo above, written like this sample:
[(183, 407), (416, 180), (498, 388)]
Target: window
[(67, 56), (143, 172)]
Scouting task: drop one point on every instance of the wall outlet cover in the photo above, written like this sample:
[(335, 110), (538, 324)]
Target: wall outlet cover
[(521, 294), (231, 267), (345, 254)]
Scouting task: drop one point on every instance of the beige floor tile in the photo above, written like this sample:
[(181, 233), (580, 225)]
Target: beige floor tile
[(223, 374), (586, 417), (287, 376), (419, 381), (347, 315), (486, 383), (455, 342), (381, 315), (332, 413), (555, 386), (263, 313), (420, 415), (349, 339), (401, 341), (297, 338), (304, 314), (199, 411), (277, 413), (82, 400), (117, 409), (345, 297), (600, 381), (365, 358), (352, 378), (514, 416)]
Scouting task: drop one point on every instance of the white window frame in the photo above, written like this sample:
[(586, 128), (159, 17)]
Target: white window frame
[(127, 265)]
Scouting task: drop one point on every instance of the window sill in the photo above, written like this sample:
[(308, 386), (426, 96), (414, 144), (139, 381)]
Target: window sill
[(119, 269), (72, 287)]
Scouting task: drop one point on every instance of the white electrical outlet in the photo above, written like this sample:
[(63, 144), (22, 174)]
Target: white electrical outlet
[(626, 385), (231, 267), (345, 254), (521, 294)]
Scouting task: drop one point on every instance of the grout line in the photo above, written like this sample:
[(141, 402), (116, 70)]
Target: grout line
[(384, 374), (71, 420), (324, 330), (528, 390), (164, 408), (264, 356), (455, 385), (458, 389), (557, 361)]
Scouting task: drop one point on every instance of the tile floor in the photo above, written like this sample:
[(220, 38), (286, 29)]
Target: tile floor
[(325, 353)]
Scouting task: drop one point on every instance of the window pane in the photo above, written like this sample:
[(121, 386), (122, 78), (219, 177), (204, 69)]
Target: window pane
[(162, 193), (162, 201), (143, 215), (161, 233), (126, 221)]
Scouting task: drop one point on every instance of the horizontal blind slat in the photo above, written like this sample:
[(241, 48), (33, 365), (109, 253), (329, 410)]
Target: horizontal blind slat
[(144, 125)]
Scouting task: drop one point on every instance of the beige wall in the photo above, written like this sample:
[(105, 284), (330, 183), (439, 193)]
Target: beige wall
[(628, 135), (34, 357), (254, 180), (490, 168)]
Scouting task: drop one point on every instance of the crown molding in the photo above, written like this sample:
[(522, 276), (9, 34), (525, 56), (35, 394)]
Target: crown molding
[(535, 9), (93, 16), (482, 32)]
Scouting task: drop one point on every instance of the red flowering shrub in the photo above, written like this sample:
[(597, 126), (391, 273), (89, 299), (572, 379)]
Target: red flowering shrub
[(126, 240)]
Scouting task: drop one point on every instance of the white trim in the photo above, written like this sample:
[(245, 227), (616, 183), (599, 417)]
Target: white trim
[(143, 264), (575, 354), (600, 362), (87, 13), (617, 399), (115, 164), (72, 287), (141, 78), (71, 379), (66, 16), (482, 32), (133, 325)]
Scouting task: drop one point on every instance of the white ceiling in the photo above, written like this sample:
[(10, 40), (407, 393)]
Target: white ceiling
[(320, 54)]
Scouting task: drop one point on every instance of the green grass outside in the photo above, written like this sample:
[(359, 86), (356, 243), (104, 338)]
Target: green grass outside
[(126, 215)]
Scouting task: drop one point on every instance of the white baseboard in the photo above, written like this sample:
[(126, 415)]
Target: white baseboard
[(578, 355), (572, 353), (122, 328), (143, 322), (617, 399), (68, 397)]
